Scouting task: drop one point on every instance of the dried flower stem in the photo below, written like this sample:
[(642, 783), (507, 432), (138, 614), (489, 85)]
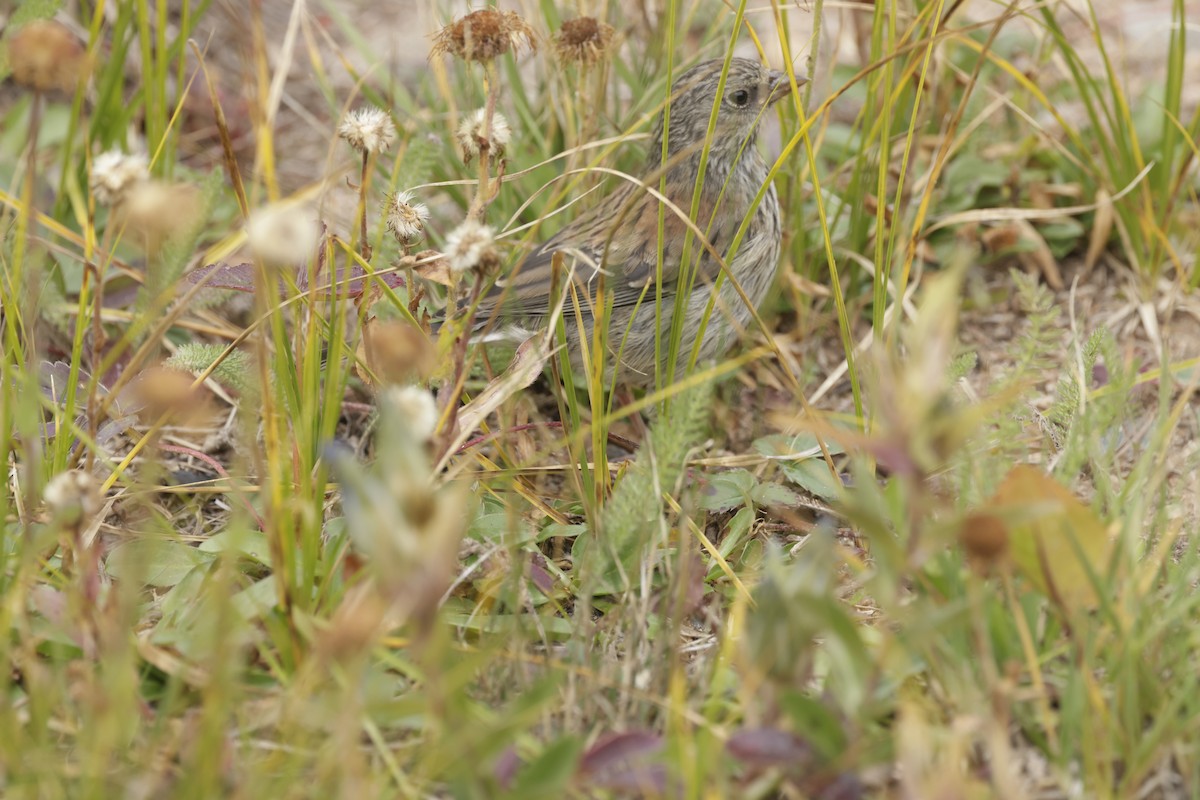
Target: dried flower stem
[(364, 246), (483, 195), (452, 390)]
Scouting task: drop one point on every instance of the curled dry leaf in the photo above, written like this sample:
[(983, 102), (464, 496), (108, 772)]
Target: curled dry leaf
[(1102, 227), (430, 265), (1039, 259), (526, 365)]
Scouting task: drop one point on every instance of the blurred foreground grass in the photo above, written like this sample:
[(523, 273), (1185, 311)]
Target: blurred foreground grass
[(963, 567)]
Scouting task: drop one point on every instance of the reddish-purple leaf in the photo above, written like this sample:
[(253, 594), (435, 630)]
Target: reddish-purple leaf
[(768, 747), (238, 277), (541, 578), (616, 750), (506, 767), (845, 786), (358, 281), (642, 780), (244, 278), (54, 377), (121, 294)]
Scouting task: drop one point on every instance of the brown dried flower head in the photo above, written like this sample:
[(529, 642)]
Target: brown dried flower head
[(583, 40), (45, 55), (484, 35)]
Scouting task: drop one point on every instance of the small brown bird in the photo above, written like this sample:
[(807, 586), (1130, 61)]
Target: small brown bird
[(620, 237)]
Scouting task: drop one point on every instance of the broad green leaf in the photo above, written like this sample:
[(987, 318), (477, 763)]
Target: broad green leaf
[(728, 490), (813, 475), (774, 495), (154, 562), (252, 544)]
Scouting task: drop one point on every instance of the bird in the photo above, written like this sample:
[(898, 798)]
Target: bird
[(619, 238)]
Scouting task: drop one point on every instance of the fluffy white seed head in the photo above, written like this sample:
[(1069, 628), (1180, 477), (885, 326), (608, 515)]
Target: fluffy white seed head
[(114, 172), (471, 135), (283, 234), (368, 130), (72, 496), (416, 407), (406, 219), (471, 246)]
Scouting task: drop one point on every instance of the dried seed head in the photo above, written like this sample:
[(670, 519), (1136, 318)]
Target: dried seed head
[(416, 407), (157, 211), (583, 40), (985, 538), (114, 173), (72, 496), (483, 35), (406, 219), (471, 137), (472, 247), (368, 130), (397, 352), (164, 390), (45, 55), (283, 235)]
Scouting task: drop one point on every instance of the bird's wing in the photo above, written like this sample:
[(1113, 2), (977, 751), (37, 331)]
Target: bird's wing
[(619, 238)]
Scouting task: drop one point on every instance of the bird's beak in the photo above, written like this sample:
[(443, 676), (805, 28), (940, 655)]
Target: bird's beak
[(780, 86)]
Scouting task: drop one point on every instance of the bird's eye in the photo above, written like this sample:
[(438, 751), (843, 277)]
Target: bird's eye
[(740, 98)]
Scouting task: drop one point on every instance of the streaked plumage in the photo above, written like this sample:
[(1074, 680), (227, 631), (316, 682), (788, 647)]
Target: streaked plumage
[(620, 236)]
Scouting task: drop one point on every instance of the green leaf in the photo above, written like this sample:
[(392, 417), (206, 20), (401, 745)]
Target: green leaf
[(728, 490), (234, 372), (252, 544), (774, 495), (795, 447), (814, 476), (154, 562), (816, 722), (30, 10), (550, 772), (801, 460), (256, 600)]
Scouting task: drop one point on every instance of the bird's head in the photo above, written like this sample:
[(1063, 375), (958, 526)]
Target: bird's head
[(750, 89)]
